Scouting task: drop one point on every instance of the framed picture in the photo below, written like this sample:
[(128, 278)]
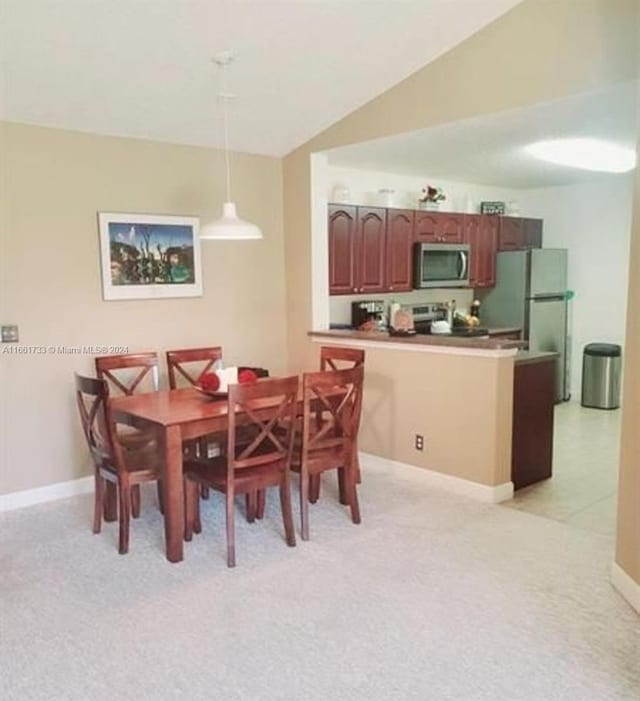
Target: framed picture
[(492, 208), (149, 257)]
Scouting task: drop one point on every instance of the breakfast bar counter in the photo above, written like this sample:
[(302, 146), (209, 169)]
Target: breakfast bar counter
[(476, 345)]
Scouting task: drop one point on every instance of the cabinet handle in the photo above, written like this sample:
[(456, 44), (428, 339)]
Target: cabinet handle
[(391, 287)]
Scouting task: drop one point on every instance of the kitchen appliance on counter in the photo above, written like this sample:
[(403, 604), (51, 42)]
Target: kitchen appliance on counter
[(432, 319), (368, 310), (440, 265), (531, 293)]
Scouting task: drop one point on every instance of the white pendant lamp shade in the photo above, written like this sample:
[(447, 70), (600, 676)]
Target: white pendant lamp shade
[(229, 226)]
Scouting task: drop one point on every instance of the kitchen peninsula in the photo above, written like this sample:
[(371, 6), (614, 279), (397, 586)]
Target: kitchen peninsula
[(465, 397)]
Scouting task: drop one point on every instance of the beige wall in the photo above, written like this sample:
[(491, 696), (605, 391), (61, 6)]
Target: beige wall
[(540, 50), (628, 541), (409, 393), (53, 184)]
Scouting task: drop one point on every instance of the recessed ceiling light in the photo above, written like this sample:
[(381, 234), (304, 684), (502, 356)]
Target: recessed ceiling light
[(588, 154)]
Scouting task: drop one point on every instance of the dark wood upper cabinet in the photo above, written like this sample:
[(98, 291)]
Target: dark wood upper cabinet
[(533, 233), (342, 241), (481, 233), (517, 233), (439, 227), (370, 249), (450, 227), (426, 227), (399, 250), (511, 234)]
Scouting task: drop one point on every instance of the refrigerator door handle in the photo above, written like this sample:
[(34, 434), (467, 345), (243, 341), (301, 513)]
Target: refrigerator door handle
[(462, 268), (554, 297)]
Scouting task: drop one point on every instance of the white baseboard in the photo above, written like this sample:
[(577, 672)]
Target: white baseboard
[(449, 483), (51, 492), (628, 588)]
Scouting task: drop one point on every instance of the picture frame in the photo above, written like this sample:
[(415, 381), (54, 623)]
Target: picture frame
[(492, 208), (149, 256)]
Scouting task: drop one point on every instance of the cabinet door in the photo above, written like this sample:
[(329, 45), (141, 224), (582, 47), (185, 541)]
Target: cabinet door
[(370, 249), (472, 237), (399, 249), (532, 233), (426, 227), (450, 227), (342, 241), (511, 234), (489, 225)]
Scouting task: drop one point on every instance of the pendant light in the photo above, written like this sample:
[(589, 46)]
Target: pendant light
[(229, 226)]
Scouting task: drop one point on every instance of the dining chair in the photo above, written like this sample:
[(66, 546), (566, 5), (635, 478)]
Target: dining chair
[(126, 467), (127, 374), (338, 358), (190, 364), (330, 422), (269, 407)]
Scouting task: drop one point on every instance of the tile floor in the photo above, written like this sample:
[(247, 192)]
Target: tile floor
[(583, 489)]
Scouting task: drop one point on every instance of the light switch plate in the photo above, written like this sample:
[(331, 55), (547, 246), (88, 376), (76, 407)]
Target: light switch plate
[(9, 333)]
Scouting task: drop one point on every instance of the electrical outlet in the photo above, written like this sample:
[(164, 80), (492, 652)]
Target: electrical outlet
[(419, 442), (9, 333)]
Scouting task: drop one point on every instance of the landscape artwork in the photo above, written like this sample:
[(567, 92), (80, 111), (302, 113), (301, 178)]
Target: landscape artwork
[(148, 256)]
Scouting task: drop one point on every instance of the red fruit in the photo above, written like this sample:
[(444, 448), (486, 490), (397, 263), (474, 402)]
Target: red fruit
[(247, 377), (210, 382)]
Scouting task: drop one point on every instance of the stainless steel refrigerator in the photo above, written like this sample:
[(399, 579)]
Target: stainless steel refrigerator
[(531, 293)]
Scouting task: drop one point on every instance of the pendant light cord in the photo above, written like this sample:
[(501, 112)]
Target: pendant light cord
[(225, 97)]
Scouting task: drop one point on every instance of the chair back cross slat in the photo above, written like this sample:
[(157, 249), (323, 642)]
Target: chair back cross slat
[(120, 371), (178, 359), (340, 358)]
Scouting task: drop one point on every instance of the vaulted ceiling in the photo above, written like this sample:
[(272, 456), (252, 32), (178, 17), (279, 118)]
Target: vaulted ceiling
[(142, 68)]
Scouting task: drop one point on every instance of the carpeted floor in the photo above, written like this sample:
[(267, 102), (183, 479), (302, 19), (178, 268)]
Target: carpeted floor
[(433, 597)]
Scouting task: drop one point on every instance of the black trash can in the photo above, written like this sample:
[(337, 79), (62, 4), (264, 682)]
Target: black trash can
[(601, 366)]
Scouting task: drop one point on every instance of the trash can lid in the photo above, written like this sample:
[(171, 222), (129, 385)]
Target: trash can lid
[(608, 350)]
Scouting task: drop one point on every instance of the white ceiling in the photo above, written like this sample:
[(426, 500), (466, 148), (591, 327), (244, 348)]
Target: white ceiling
[(142, 68), (489, 150)]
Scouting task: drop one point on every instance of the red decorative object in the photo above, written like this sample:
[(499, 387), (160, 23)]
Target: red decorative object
[(210, 382), (247, 377)]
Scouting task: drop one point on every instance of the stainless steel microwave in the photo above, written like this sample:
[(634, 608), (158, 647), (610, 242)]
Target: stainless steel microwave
[(441, 265)]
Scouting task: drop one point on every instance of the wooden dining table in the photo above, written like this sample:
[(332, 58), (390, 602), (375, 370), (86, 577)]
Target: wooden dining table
[(177, 415)]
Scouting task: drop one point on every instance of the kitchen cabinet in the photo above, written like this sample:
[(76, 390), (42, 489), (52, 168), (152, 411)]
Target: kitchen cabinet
[(438, 227), (370, 249), (342, 243), (533, 407), (516, 233), (481, 233), (399, 250)]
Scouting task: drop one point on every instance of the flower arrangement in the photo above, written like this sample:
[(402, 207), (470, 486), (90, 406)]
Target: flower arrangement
[(432, 194)]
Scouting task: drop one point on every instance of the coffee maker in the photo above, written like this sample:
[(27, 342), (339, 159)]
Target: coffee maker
[(367, 310)]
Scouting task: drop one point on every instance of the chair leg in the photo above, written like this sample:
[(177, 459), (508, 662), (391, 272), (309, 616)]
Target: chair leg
[(189, 508), (160, 497), (356, 462), (98, 503), (251, 501), (197, 524), (350, 476), (261, 503), (231, 529), (125, 516), (135, 501), (314, 488), (304, 503), (287, 512), (342, 488)]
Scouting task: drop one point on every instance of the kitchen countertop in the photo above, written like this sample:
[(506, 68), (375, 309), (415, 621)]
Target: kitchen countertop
[(527, 356), (504, 330), (426, 340)]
